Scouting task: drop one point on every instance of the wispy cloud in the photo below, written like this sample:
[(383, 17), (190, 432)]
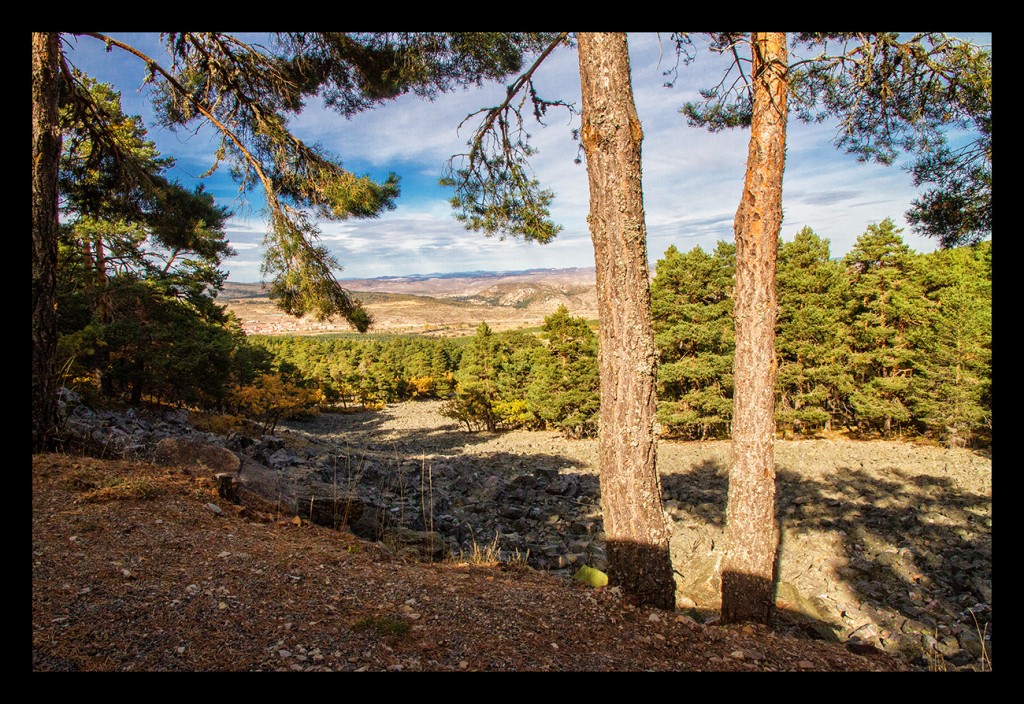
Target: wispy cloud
[(692, 179), (823, 197)]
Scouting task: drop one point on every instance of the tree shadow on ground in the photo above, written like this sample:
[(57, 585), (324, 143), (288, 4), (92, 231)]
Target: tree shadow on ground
[(914, 548), (907, 551), (917, 547), (366, 432)]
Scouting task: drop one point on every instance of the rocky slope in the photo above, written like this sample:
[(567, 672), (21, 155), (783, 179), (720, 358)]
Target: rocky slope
[(885, 545)]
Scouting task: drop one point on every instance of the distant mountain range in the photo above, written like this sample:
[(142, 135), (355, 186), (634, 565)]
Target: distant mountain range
[(436, 280), (481, 274)]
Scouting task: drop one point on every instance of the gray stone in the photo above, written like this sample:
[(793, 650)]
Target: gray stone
[(915, 627), (947, 645), (428, 545), (489, 489), (177, 417), (972, 643), (545, 475), (983, 586), (281, 458)]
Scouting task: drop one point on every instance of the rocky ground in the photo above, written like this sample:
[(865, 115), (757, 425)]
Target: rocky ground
[(886, 546)]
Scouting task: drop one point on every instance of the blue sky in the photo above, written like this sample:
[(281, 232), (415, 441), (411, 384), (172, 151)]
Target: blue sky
[(692, 179)]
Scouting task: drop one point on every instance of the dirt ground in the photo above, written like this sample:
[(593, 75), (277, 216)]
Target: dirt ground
[(138, 567), (886, 542)]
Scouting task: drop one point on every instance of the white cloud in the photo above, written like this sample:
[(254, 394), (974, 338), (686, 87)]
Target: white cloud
[(243, 246), (692, 179)]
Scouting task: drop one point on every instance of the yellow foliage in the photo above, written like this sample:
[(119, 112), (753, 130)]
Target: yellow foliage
[(423, 386), (514, 413), (220, 423), (271, 398)]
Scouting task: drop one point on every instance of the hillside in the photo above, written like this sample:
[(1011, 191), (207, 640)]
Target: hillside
[(134, 571), (885, 546), (442, 305)]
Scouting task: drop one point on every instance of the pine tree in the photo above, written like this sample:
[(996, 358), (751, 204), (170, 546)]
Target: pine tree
[(564, 389), (953, 389), (162, 347), (611, 134), (888, 96), (691, 299), (46, 60), (477, 379), (149, 241), (751, 535), (444, 362), (495, 194), (813, 379), (518, 354), (929, 96), (886, 311), (247, 93)]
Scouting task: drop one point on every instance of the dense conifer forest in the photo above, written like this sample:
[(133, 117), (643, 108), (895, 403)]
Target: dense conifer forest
[(884, 342)]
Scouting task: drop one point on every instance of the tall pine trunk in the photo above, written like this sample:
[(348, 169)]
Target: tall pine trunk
[(45, 165), (634, 522), (751, 535)]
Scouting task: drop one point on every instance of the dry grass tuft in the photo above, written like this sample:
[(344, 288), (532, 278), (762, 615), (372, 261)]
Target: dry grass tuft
[(490, 556)]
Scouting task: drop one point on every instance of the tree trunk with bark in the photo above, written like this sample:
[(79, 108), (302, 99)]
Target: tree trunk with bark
[(634, 521), (45, 165), (748, 575)]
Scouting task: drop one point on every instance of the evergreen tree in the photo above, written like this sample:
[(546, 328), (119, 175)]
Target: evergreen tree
[(691, 298), (952, 396), (477, 380), (887, 311), (157, 345), (811, 344), (519, 352), (495, 194), (888, 96), (928, 95), (612, 136), (750, 532), (149, 242), (564, 389), (444, 362), (46, 60)]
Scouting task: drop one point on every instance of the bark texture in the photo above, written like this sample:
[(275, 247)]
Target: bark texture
[(45, 164), (751, 534), (634, 521)]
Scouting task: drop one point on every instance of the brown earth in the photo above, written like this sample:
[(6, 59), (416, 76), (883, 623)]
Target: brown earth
[(133, 570)]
